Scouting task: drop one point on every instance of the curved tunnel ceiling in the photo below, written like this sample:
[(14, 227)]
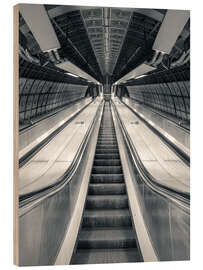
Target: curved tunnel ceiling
[(106, 45), (106, 28), (104, 41)]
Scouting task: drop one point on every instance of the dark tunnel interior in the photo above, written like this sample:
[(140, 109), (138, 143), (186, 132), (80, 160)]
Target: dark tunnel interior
[(106, 44)]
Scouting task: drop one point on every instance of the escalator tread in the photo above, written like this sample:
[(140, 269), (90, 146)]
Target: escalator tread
[(97, 256), (106, 234)]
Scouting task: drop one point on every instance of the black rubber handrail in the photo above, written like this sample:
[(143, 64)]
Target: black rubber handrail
[(155, 111), (26, 157), (181, 154), (30, 197), (145, 175)]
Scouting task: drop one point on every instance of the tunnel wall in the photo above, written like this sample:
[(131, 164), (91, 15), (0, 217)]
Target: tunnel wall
[(39, 97), (172, 97)]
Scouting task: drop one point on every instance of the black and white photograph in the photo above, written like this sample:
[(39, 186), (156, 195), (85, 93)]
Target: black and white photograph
[(101, 135)]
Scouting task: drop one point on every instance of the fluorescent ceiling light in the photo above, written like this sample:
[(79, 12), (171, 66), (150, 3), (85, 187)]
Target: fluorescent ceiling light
[(71, 74), (140, 76), (38, 22), (171, 27), (73, 69), (138, 71)]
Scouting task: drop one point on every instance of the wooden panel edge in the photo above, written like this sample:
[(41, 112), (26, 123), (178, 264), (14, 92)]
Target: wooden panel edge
[(15, 132)]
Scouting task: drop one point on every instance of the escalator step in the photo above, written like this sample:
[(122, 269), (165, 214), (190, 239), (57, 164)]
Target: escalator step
[(108, 138), (96, 256), (102, 133), (107, 202), (103, 146), (107, 162), (107, 178), (107, 170), (110, 135), (107, 189), (105, 218), (107, 237), (107, 151), (106, 142), (107, 156), (109, 131)]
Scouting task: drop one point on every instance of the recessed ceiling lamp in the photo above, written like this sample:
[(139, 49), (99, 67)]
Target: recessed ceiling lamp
[(141, 76), (71, 74)]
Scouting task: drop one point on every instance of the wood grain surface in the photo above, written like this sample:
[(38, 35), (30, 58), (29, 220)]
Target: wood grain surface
[(15, 130)]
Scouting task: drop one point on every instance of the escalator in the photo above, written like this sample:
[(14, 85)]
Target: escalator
[(89, 217), (107, 234)]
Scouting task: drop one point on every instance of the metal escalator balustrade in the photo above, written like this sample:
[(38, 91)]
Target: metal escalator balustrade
[(166, 216), (58, 202), (107, 234)]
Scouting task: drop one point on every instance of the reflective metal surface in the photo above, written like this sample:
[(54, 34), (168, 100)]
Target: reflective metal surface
[(42, 229), (168, 224)]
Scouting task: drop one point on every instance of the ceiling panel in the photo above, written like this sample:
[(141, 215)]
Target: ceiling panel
[(109, 26)]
